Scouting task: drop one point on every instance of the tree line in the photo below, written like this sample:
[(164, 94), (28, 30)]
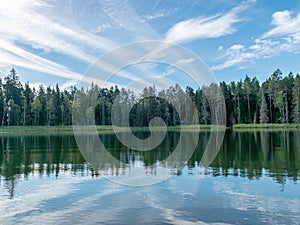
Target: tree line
[(276, 100)]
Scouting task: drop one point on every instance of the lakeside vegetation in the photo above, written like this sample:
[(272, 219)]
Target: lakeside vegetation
[(266, 126), (49, 130), (57, 130), (249, 104)]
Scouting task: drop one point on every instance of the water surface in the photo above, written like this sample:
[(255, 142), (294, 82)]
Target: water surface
[(253, 180)]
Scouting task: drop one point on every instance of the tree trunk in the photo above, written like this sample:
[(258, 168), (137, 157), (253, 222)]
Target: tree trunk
[(239, 110), (270, 100), (286, 111), (24, 115)]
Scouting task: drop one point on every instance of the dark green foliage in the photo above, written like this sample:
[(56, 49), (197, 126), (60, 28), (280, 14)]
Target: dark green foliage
[(277, 100)]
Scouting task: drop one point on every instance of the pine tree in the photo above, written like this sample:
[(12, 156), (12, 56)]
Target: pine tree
[(27, 101), (43, 100), (12, 91), (248, 90), (2, 113), (263, 109), (36, 109), (296, 100)]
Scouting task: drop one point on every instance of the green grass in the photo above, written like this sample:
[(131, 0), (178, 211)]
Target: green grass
[(35, 130), (265, 126), (41, 130), (201, 127)]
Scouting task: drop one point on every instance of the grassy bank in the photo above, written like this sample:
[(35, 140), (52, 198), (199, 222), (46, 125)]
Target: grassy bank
[(40, 130), (34, 131), (265, 126)]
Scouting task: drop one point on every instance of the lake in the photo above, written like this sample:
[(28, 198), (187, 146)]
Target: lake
[(254, 179)]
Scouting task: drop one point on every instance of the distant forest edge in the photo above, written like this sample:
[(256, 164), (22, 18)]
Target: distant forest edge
[(275, 101)]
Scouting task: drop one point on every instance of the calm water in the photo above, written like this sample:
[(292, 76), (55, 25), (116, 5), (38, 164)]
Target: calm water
[(253, 180)]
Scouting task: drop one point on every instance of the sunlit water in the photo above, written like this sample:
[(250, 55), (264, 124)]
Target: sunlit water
[(253, 180)]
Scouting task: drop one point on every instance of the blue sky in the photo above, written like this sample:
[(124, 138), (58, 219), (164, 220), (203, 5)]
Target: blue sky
[(51, 42)]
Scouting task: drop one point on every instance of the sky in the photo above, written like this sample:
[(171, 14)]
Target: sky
[(53, 41)]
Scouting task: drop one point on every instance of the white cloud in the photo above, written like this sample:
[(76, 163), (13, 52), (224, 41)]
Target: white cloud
[(284, 37), (69, 84), (247, 199), (200, 27), (156, 16), (13, 55), (236, 47), (233, 55), (284, 24), (25, 24), (122, 14), (34, 25), (184, 61), (281, 17), (101, 28)]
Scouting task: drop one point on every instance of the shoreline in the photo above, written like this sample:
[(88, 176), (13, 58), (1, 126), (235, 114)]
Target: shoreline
[(267, 126), (100, 129), (109, 129)]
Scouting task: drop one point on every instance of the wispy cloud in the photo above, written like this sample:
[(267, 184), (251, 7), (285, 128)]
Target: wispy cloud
[(69, 84), (210, 27), (158, 14), (25, 24), (234, 55), (24, 28), (101, 28), (13, 55), (184, 61), (22, 24), (284, 37), (284, 24), (122, 14)]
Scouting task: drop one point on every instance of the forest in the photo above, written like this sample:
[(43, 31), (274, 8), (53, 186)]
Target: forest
[(276, 100)]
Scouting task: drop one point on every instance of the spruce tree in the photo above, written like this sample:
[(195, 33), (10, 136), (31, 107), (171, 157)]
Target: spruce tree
[(263, 109)]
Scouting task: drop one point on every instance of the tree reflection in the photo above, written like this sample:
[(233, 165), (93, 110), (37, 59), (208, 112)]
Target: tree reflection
[(250, 154), (255, 154)]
